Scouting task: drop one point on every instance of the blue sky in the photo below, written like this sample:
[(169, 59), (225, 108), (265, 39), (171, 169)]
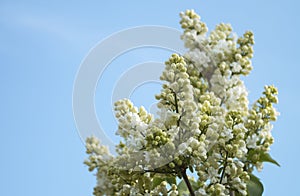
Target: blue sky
[(43, 43)]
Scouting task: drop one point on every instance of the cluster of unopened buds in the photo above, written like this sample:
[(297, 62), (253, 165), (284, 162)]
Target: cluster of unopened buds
[(207, 140)]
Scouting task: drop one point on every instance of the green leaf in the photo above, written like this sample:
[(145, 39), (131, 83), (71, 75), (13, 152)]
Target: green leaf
[(171, 180), (156, 181), (194, 184), (191, 169), (220, 170), (182, 188), (254, 186), (266, 157), (236, 193)]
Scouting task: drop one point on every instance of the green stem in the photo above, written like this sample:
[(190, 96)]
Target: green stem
[(187, 182), (160, 172), (232, 193), (225, 165)]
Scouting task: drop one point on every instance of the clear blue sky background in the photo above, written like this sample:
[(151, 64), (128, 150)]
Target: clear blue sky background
[(43, 43)]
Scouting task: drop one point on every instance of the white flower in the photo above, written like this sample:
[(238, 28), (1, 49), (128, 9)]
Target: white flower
[(221, 46), (182, 147), (252, 140), (204, 124), (236, 67), (200, 58)]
